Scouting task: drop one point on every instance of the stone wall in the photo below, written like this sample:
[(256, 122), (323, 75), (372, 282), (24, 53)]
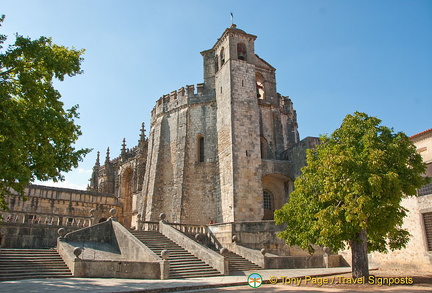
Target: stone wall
[(19, 235), (256, 235), (33, 223), (416, 255), (177, 183), (54, 201)]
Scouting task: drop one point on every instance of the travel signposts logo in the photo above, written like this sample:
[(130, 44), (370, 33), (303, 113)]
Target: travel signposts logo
[(255, 280)]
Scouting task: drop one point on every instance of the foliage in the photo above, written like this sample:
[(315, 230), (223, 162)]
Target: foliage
[(37, 135), (353, 182)]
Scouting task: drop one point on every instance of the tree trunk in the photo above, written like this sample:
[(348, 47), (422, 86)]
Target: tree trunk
[(360, 264)]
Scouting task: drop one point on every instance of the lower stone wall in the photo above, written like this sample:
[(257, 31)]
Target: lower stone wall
[(257, 235), (14, 235), (416, 255)]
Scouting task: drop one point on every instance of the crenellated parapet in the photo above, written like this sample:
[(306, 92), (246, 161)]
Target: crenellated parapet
[(182, 98)]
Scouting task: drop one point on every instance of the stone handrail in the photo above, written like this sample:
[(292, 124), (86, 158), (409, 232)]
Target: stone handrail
[(207, 255), (134, 260), (206, 236), (253, 255)]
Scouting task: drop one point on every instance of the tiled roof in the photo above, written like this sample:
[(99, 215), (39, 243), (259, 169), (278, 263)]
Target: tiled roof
[(421, 133)]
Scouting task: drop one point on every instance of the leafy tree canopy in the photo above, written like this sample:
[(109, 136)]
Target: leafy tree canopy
[(37, 135), (354, 183)]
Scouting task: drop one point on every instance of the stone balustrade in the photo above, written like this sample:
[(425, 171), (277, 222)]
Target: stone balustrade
[(16, 217), (147, 226)]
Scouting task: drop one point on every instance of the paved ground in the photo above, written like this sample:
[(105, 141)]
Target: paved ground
[(236, 283)]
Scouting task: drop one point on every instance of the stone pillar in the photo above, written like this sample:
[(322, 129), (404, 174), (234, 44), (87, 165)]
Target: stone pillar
[(165, 264)]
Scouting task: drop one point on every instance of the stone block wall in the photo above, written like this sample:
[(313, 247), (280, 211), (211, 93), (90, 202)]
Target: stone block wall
[(416, 255), (17, 235), (246, 143)]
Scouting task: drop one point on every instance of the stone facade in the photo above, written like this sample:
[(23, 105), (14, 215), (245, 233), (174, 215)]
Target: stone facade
[(34, 222), (217, 149), (224, 151), (122, 177), (228, 146)]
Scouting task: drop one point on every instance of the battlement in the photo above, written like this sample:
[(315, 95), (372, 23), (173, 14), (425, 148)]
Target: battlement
[(182, 97)]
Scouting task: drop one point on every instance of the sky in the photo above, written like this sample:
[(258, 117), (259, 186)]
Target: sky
[(332, 58)]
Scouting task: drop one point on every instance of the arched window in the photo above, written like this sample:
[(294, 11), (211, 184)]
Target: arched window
[(260, 86), (241, 51), (216, 63), (200, 148), (264, 148), (222, 57)]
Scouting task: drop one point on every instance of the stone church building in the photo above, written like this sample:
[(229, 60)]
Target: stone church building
[(227, 150), (220, 156)]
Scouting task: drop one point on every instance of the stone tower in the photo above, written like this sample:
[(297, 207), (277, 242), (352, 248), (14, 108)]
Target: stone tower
[(220, 154)]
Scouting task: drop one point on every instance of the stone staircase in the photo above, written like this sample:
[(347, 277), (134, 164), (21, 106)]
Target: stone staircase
[(183, 264), (16, 264), (238, 263)]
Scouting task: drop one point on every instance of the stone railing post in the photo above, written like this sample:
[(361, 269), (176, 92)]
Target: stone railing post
[(326, 256), (113, 211), (138, 223), (61, 232), (263, 252), (91, 217), (224, 252), (165, 264)]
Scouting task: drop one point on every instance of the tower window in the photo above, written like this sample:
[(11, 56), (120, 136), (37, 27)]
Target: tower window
[(216, 63), (264, 148), (222, 56), (200, 142), (260, 86), (241, 51)]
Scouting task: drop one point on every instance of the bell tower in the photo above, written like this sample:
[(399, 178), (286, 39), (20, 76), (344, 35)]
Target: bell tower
[(238, 127)]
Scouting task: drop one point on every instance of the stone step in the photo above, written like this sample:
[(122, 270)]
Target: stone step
[(238, 263), (36, 270), (187, 265), (43, 275), (28, 250), (16, 264), (29, 257), (183, 264), (179, 275)]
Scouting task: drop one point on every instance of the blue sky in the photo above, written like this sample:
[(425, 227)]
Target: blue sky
[(331, 57)]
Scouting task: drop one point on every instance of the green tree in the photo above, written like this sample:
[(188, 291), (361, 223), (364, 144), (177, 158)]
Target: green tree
[(350, 192), (37, 135)]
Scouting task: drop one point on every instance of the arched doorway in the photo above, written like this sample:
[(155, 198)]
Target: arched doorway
[(276, 190)]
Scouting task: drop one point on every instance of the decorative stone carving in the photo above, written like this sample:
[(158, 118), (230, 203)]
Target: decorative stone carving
[(77, 251), (165, 254), (223, 251), (61, 232)]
